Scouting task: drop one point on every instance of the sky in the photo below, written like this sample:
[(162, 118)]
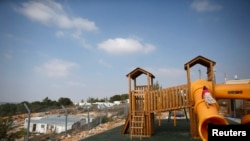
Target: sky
[(85, 48)]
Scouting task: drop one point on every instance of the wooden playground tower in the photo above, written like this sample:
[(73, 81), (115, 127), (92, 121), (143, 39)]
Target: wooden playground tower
[(209, 64), (145, 102)]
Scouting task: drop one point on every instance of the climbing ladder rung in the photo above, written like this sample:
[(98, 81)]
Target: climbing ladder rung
[(137, 125), (137, 121), (138, 116)]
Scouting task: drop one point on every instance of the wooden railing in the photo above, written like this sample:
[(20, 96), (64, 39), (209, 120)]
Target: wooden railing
[(141, 87), (138, 100), (161, 100)]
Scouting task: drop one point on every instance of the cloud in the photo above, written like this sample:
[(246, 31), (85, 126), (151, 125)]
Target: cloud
[(105, 64), (205, 6), (125, 46), (56, 68), (51, 13)]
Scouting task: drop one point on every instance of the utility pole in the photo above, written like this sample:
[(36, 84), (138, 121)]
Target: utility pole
[(199, 73), (28, 127), (88, 118), (66, 119)]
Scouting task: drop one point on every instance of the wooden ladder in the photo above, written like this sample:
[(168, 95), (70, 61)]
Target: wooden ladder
[(137, 125)]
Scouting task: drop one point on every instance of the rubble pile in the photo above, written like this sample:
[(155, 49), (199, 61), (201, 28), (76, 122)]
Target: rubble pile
[(98, 129)]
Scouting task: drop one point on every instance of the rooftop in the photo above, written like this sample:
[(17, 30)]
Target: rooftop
[(57, 119)]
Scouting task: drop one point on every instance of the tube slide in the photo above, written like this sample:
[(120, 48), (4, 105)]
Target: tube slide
[(245, 119), (232, 91), (205, 115)]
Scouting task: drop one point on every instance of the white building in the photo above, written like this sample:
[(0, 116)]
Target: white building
[(55, 123), (238, 81), (102, 105), (117, 102), (84, 104)]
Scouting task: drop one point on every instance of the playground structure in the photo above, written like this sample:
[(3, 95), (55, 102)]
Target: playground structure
[(146, 102)]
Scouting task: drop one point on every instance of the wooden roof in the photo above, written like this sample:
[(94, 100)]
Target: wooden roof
[(137, 72), (199, 60)]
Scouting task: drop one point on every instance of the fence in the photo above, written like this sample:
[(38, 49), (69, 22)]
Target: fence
[(97, 115)]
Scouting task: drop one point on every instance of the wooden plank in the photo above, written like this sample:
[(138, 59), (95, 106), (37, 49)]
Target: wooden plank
[(126, 125)]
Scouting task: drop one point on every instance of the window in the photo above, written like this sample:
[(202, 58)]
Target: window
[(42, 126)]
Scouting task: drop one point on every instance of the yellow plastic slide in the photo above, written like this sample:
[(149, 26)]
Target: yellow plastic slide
[(205, 114)]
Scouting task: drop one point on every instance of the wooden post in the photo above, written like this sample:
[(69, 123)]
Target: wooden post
[(212, 77), (159, 109), (174, 117), (152, 83), (135, 84), (148, 81), (191, 110), (129, 92)]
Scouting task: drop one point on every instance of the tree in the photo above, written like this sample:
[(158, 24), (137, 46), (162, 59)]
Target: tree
[(101, 100), (46, 101), (5, 125), (156, 86), (92, 100), (54, 103), (8, 109), (124, 96), (20, 108), (115, 98), (64, 101)]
